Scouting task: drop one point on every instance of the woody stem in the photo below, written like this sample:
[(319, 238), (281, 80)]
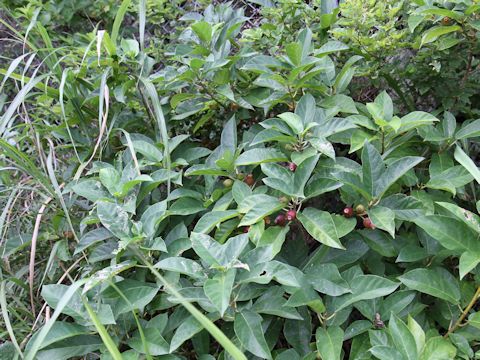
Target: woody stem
[(464, 313)]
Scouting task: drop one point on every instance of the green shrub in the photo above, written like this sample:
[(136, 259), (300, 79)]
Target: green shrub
[(426, 51), (235, 201)]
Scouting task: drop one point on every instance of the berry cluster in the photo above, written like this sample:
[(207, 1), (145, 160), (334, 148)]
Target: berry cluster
[(360, 211)]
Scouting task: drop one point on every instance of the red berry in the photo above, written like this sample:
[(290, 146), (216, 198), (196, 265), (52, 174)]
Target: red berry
[(348, 212), (368, 223), (246, 229), (249, 180), (292, 166), (280, 220), (291, 215)]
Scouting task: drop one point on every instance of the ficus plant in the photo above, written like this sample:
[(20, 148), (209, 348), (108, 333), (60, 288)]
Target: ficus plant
[(326, 228)]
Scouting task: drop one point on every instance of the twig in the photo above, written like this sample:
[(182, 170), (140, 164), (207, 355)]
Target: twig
[(464, 313), (213, 97)]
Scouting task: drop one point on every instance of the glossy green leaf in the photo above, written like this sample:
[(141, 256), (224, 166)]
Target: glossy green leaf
[(181, 265), (259, 156), (269, 135), (395, 171), (203, 30), (215, 254), (136, 295), (256, 207), (90, 189), (366, 287), (326, 279), (211, 219), (248, 328), (383, 218), (402, 338), (329, 342), (474, 320), (298, 333), (292, 120), (469, 130), (450, 179), (321, 226), (383, 352), (417, 333), (451, 233), (415, 119), (114, 218), (467, 163), (272, 302), (302, 174), (219, 288), (154, 341), (184, 332), (66, 349), (91, 238), (436, 282), (435, 32), (467, 263), (438, 348)]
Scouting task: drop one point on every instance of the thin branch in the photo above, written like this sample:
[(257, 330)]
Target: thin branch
[(464, 313)]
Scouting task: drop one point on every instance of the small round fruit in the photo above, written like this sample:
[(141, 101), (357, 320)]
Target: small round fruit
[(288, 147), (446, 20), (267, 220), (292, 166), (291, 215), (280, 220), (240, 176), (348, 212), (283, 199), (228, 183), (360, 209), (368, 223), (249, 180), (246, 229)]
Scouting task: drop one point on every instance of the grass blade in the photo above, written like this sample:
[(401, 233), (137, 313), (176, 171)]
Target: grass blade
[(119, 19), (58, 191), (19, 98), (62, 107), (6, 319), (223, 340), (37, 344), (142, 14), (161, 123), (139, 326), (107, 340), (33, 251), (42, 87), (25, 164), (13, 65)]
